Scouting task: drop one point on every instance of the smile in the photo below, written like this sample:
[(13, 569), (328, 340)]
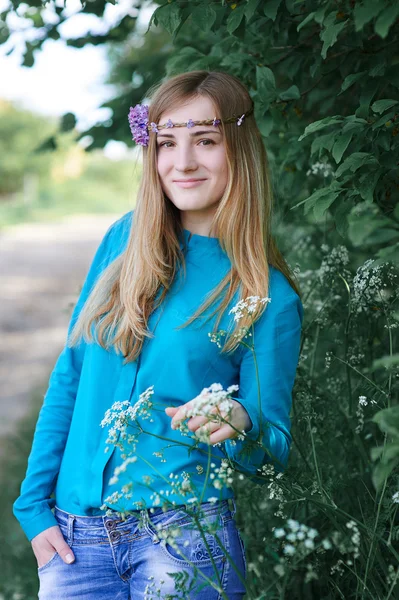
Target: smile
[(189, 184)]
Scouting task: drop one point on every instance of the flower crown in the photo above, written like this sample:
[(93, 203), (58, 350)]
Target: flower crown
[(140, 128)]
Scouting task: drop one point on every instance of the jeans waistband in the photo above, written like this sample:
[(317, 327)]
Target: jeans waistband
[(66, 518)]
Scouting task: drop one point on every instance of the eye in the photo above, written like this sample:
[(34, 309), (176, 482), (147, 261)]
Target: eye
[(210, 143)]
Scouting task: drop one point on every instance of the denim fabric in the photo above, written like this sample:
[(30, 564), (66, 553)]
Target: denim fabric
[(131, 559)]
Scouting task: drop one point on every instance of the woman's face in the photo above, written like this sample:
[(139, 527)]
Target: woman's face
[(196, 153)]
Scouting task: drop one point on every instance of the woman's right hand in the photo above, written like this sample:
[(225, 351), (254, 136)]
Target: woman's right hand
[(50, 542)]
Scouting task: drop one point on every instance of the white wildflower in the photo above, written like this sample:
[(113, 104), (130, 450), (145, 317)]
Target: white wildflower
[(247, 307)]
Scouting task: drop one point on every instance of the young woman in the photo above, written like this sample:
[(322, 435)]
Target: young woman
[(165, 277)]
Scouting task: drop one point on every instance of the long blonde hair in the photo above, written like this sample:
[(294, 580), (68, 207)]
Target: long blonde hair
[(123, 298)]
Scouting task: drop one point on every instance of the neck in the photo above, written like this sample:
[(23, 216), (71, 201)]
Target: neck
[(197, 223)]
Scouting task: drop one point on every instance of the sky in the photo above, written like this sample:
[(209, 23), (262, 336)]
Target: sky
[(64, 79)]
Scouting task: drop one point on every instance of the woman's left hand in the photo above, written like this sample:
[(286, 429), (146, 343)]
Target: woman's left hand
[(219, 432)]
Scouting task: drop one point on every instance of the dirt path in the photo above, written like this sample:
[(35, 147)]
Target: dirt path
[(42, 267)]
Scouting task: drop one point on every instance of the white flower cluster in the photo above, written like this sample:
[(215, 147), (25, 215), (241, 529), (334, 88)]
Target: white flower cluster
[(153, 588), (211, 398), (395, 498), (334, 263), (345, 549), (221, 476), (275, 491), (298, 539), (372, 284), (359, 412), (393, 575), (121, 469), (123, 414), (180, 485), (324, 168), (247, 306)]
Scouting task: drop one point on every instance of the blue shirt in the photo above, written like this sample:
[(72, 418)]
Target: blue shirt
[(68, 456)]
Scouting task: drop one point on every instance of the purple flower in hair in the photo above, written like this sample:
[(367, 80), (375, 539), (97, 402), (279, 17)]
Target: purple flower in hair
[(190, 123), (216, 122), (154, 127), (138, 121), (169, 123)]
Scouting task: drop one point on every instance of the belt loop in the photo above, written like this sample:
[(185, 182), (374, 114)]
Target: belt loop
[(71, 519)]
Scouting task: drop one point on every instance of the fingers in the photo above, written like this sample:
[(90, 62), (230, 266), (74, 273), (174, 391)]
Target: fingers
[(195, 422), (179, 415), (225, 432), (49, 541), (204, 431)]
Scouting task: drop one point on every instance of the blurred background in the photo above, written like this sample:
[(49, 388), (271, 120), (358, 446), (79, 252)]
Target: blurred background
[(324, 79)]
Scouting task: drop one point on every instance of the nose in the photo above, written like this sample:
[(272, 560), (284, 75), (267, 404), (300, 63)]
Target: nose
[(185, 159)]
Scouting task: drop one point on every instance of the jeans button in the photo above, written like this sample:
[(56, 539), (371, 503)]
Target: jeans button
[(110, 524), (115, 535)]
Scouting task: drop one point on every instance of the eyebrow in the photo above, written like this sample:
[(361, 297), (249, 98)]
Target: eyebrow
[(194, 134)]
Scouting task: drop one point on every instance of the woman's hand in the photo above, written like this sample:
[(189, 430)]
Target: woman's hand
[(219, 432), (50, 542)]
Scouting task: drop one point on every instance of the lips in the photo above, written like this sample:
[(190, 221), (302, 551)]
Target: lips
[(189, 183)]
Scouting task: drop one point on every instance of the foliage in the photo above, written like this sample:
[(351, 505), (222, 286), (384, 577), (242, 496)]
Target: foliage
[(20, 133)]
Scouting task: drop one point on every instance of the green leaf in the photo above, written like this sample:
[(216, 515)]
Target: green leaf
[(305, 21), (266, 85), (360, 229), (330, 34), (68, 122), (292, 93), (376, 452), (323, 142), (351, 79), (341, 145), (382, 236), (388, 254), (323, 204), (251, 7), (387, 420), (380, 105), (270, 9), (265, 124), (170, 17), (341, 210), (311, 200), (382, 472), (364, 13), (355, 161), (386, 19), (366, 184), (318, 125), (204, 17), (234, 19), (386, 362), (382, 121)]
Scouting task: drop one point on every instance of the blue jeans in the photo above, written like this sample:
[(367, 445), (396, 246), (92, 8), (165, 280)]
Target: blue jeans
[(133, 559)]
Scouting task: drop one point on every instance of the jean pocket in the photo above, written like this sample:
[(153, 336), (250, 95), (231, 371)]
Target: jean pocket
[(48, 563), (189, 541)]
